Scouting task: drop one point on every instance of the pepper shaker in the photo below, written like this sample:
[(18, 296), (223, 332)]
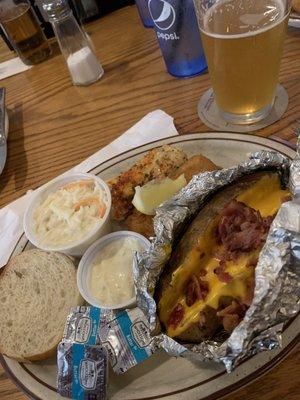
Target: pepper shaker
[(75, 46)]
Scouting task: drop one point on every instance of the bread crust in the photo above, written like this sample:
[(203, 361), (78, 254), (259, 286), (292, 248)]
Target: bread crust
[(38, 357)]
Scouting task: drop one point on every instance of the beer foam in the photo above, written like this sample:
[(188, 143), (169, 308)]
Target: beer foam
[(247, 19)]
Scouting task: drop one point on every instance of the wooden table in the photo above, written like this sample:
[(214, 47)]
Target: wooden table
[(55, 125)]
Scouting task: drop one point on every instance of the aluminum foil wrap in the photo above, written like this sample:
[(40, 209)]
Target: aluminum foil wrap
[(277, 290)]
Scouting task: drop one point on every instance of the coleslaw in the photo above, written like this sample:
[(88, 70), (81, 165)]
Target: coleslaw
[(69, 213)]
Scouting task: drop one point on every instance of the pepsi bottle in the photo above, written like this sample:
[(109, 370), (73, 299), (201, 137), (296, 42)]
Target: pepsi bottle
[(178, 35), (142, 6)]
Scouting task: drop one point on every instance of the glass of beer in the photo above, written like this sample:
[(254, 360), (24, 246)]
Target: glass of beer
[(21, 26), (243, 43)]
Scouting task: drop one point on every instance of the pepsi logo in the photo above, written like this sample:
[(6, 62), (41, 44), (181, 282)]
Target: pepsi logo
[(162, 13)]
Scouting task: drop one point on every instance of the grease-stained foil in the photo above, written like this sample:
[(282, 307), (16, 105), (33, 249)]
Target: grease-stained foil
[(277, 290)]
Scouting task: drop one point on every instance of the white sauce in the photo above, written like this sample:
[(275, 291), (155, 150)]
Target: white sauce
[(67, 215), (111, 277)]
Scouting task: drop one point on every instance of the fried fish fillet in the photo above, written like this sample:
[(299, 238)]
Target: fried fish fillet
[(142, 223), (194, 166), (157, 163)]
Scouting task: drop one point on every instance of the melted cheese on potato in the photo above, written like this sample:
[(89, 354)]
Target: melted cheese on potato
[(266, 196)]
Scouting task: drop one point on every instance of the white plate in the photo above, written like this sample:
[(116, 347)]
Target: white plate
[(162, 376)]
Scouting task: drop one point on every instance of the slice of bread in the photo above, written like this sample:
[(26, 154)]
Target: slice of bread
[(37, 290)]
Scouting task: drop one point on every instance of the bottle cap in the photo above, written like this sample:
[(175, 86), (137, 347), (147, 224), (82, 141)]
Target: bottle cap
[(55, 9)]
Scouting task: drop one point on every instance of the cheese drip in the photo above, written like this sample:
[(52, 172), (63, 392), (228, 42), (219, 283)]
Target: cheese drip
[(266, 196)]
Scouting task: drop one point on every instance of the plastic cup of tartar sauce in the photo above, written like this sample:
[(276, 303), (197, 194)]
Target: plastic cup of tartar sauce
[(105, 272)]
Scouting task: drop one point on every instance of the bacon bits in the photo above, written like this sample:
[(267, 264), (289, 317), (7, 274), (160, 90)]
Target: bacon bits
[(196, 289), (223, 275), (232, 315), (230, 322), (176, 316), (241, 228), (202, 272)]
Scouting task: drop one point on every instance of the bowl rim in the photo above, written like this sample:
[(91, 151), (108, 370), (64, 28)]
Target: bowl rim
[(36, 199), (87, 261)]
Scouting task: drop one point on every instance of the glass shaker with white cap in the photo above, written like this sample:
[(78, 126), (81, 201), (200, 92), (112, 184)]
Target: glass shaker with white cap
[(75, 45)]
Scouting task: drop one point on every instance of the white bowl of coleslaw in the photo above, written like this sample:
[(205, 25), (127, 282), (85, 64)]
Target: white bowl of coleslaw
[(69, 214)]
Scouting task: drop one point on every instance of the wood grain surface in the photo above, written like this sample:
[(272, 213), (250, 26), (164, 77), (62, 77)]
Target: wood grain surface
[(55, 125)]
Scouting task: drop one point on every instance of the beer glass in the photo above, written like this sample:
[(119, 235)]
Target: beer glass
[(243, 43), (20, 24)]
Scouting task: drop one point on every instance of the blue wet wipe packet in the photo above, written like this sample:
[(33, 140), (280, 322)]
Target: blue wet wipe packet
[(84, 324), (124, 334), (82, 371), (127, 340)]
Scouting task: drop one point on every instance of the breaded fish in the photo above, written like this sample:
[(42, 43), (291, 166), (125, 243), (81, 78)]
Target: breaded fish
[(142, 223), (157, 163), (194, 166)]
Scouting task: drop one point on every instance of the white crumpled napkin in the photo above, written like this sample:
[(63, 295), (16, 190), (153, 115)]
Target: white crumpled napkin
[(12, 67), (154, 126)]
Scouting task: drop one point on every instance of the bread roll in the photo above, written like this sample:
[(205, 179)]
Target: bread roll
[(37, 290)]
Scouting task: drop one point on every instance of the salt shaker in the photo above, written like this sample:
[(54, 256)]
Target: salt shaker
[(83, 65)]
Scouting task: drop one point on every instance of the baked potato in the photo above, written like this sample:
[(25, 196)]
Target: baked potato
[(208, 283)]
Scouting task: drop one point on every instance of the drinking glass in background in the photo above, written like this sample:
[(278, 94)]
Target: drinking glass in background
[(23, 30), (142, 6), (243, 43), (178, 35)]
